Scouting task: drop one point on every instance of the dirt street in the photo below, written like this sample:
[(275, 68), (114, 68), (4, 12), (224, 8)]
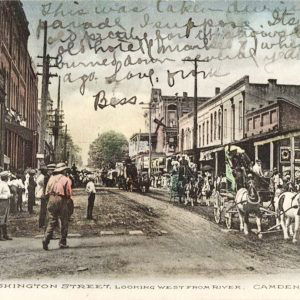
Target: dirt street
[(175, 243)]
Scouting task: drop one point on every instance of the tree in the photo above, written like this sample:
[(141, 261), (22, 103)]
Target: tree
[(71, 153), (107, 149)]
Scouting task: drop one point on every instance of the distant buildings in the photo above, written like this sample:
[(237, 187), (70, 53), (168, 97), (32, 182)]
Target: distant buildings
[(19, 136), (165, 114)]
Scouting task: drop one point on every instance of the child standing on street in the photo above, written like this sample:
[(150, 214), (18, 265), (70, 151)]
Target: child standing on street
[(91, 190)]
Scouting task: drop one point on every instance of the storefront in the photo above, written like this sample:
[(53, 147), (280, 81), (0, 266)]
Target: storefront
[(282, 152), (214, 158)]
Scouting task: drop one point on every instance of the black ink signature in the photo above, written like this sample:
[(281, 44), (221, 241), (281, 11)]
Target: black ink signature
[(102, 102)]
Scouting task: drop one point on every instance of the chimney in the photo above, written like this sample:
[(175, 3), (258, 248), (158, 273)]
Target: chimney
[(217, 90), (185, 94), (272, 81)]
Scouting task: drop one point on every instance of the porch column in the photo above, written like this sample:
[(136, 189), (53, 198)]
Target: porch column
[(292, 142), (256, 151), (216, 164), (271, 156)]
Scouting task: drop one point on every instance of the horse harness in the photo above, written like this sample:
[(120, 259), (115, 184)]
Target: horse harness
[(280, 204)]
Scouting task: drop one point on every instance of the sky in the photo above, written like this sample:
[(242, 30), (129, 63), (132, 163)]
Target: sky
[(255, 38)]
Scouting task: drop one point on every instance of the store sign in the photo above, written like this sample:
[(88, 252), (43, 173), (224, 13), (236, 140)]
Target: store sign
[(285, 154)]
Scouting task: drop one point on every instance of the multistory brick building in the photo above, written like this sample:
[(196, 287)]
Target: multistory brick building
[(226, 119), (19, 111)]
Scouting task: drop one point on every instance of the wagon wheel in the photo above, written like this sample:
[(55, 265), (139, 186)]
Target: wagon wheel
[(217, 210), (228, 220)]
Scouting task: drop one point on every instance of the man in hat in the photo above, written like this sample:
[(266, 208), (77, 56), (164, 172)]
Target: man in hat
[(91, 190), (13, 186), (59, 191), (4, 207), (257, 168), (40, 194), (44, 203), (21, 189), (31, 191)]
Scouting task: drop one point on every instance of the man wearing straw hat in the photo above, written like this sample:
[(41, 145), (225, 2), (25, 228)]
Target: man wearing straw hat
[(59, 191), (4, 205)]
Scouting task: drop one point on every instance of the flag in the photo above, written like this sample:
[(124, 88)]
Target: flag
[(229, 173)]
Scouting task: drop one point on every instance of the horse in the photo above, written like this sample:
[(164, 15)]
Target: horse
[(247, 201), (287, 208)]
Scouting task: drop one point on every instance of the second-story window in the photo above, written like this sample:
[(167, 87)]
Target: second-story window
[(215, 125), (219, 124), (199, 134), (203, 133), (207, 132), (225, 122), (211, 127), (241, 115)]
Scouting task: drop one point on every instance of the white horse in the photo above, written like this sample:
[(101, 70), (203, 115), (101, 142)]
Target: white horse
[(287, 208), (247, 201)]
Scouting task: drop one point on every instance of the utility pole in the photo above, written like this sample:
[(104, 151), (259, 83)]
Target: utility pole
[(44, 96), (150, 140), (65, 143), (195, 61), (57, 121)]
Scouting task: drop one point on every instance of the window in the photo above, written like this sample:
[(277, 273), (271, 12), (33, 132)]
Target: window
[(240, 115), (233, 122), (207, 132), (249, 124), (211, 127), (182, 139), (265, 119), (225, 122), (199, 134), (203, 135), (219, 124), (215, 125), (273, 116), (256, 122)]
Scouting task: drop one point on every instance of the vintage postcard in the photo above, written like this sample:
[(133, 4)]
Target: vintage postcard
[(149, 149)]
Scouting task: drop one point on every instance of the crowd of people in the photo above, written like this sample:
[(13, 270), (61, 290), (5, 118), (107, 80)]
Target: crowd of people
[(49, 187), (194, 187)]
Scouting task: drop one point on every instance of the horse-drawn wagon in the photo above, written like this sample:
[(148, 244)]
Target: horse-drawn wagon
[(243, 193)]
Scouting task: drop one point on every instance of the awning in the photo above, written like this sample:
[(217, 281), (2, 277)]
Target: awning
[(21, 131), (277, 138), (206, 155)]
